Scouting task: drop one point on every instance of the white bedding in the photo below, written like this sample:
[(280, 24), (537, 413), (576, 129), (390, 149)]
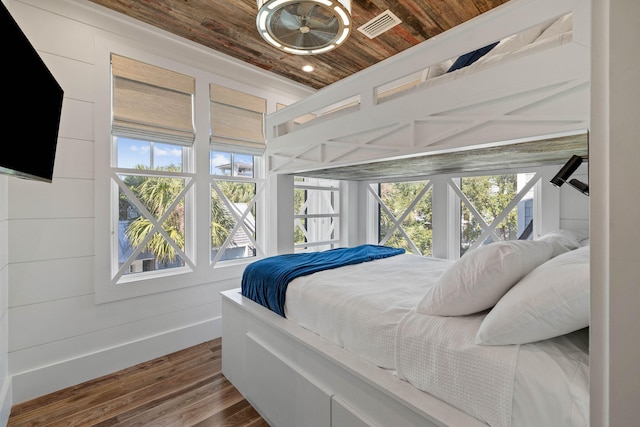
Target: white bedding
[(437, 354), (360, 314), (528, 42), (360, 308)]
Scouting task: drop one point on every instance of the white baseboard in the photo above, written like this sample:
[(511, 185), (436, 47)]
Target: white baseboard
[(47, 379), (6, 401)]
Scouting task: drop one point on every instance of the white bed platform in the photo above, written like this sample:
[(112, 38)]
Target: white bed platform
[(295, 378), (532, 93)]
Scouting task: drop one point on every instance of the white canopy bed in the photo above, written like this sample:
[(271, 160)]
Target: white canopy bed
[(323, 364)]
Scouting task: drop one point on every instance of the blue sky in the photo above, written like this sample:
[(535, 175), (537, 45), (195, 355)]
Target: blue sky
[(133, 152)]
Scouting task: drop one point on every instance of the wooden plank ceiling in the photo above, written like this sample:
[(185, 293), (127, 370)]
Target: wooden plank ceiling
[(229, 26)]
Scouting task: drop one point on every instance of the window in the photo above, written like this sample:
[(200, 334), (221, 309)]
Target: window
[(446, 216), (316, 214), (237, 139), (151, 176), (151, 223), (404, 215), (494, 207), (233, 206), (179, 186)]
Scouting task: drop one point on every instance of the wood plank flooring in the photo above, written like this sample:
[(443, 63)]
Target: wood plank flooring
[(182, 389)]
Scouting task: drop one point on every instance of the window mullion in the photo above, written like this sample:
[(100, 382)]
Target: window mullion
[(514, 202)]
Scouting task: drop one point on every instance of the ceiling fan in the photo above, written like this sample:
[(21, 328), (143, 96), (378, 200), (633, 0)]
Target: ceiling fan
[(304, 27)]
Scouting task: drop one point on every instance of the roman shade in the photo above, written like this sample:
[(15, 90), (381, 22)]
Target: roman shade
[(237, 121), (152, 103)]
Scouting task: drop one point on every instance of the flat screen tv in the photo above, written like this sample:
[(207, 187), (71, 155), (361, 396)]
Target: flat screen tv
[(31, 116)]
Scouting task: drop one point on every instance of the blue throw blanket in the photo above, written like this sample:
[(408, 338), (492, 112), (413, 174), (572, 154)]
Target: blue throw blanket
[(265, 281)]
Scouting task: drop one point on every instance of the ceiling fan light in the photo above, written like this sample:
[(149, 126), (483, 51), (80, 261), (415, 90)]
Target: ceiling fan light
[(346, 4), (268, 38), (324, 49), (296, 51), (345, 18), (344, 36), (262, 21), (272, 5), (304, 27)]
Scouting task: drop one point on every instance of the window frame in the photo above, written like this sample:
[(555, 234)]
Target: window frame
[(374, 192), (260, 185), (320, 185), (446, 207), (106, 290)]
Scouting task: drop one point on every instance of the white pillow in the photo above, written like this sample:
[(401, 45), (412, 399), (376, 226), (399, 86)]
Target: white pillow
[(559, 26), (550, 301), (562, 241), (482, 276), (515, 41), (438, 69)]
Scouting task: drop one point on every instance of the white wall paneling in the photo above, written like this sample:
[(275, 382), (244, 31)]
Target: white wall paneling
[(66, 165), (58, 336), (6, 397), (615, 208), (46, 239), (73, 278), (67, 198)]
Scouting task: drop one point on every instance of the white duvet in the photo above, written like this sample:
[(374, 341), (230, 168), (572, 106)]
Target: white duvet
[(368, 309)]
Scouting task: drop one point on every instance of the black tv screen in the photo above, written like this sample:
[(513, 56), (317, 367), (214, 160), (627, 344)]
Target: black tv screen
[(32, 113)]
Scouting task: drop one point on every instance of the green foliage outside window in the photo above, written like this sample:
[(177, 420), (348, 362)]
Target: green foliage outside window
[(157, 194), (398, 197), (489, 195), (222, 221), (299, 198)]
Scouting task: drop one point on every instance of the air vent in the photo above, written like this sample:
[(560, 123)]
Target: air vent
[(378, 25)]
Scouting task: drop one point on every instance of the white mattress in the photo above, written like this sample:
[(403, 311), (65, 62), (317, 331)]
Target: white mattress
[(361, 307)]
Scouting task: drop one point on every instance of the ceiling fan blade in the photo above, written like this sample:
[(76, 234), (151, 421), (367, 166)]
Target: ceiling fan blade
[(306, 9), (295, 39), (315, 38), (318, 24), (289, 20)]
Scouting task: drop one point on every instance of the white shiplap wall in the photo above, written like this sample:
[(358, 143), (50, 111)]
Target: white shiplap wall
[(574, 206), (6, 398), (5, 379), (58, 336)]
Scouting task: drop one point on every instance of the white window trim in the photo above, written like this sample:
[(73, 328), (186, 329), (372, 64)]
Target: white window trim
[(335, 217), (105, 289), (446, 208)]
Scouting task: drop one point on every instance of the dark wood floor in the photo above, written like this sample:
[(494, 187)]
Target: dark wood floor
[(181, 389)]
